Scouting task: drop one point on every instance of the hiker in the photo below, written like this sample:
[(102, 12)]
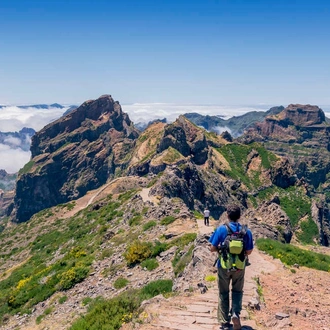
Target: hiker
[(231, 266), (206, 217)]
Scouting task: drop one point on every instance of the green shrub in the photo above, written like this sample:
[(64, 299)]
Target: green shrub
[(62, 299), (210, 278), (85, 301), (72, 276), (167, 220), (111, 314), (135, 220), (46, 312), (120, 283), (291, 255), (158, 248), (150, 264), (106, 253), (182, 241), (295, 204), (126, 195), (149, 225), (157, 287), (198, 215), (180, 263), (309, 231), (137, 252)]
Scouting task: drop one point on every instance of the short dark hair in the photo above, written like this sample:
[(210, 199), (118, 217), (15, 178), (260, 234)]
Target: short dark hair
[(233, 212)]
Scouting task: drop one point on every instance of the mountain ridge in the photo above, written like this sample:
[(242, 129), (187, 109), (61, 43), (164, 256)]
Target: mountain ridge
[(139, 221)]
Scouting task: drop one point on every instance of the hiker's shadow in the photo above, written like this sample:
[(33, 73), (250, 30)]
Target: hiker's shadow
[(246, 327)]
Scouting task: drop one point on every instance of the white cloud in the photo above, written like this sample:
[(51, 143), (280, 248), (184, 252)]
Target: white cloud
[(13, 159), (12, 140), (221, 129), (145, 112), (13, 119)]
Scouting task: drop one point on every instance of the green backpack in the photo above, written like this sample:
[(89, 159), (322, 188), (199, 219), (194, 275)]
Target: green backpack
[(232, 252)]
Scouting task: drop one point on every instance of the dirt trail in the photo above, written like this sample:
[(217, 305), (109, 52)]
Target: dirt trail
[(198, 311)]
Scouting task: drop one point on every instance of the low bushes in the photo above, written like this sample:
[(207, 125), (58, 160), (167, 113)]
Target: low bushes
[(291, 255), (113, 313)]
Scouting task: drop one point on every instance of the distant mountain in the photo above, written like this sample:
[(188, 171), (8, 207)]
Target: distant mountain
[(141, 126), (72, 107), (235, 125), (42, 106), (37, 106), (7, 181), (18, 140)]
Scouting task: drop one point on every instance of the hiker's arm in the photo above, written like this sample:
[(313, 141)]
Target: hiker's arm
[(248, 252), (213, 248)]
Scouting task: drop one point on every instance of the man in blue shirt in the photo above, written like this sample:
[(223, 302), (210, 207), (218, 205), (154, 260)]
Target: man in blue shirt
[(231, 274)]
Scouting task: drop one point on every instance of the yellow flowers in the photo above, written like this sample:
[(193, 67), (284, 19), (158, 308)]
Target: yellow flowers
[(127, 318), (21, 283), (77, 252), (210, 278)]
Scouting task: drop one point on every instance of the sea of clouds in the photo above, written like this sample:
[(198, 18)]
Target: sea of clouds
[(13, 119)]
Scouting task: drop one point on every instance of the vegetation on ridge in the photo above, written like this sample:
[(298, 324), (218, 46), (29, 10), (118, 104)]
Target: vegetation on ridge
[(111, 314), (237, 156), (291, 255)]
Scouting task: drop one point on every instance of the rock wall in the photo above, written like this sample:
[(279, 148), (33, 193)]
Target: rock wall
[(73, 155)]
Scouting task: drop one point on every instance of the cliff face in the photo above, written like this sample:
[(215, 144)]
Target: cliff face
[(301, 134), (295, 123), (73, 155)]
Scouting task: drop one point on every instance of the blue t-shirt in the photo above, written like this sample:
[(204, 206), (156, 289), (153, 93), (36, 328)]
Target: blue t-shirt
[(221, 233)]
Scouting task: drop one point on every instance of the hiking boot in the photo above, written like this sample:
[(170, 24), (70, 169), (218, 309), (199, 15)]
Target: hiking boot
[(225, 326), (236, 321)]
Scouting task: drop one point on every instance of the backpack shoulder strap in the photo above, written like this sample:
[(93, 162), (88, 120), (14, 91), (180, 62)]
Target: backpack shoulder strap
[(243, 230), (230, 232)]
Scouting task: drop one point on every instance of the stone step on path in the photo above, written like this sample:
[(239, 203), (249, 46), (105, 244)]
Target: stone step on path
[(196, 311)]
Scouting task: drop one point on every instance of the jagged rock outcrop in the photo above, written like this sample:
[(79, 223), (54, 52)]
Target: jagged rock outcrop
[(301, 133), (188, 139), (73, 155), (162, 145), (282, 174), (268, 220), (321, 215), (197, 188)]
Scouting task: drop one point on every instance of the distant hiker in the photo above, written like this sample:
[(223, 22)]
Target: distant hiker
[(233, 242), (206, 217)]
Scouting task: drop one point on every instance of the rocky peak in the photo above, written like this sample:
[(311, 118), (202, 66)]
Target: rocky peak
[(73, 155), (187, 138), (300, 115), (88, 121)]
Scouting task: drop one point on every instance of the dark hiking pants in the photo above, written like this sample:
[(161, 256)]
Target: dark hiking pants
[(237, 282)]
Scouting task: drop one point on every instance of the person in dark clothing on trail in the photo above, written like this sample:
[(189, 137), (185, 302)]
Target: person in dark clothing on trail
[(231, 270)]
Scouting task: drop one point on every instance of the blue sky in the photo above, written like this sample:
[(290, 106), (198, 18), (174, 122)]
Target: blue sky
[(228, 52)]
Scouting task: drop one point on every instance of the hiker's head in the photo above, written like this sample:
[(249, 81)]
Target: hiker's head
[(233, 212)]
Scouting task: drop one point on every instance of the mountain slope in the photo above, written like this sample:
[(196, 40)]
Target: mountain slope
[(132, 204), (73, 155)]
